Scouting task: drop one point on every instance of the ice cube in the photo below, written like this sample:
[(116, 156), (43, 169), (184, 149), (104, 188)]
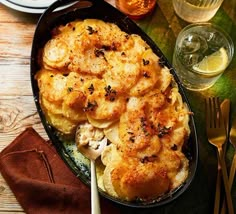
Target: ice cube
[(215, 41), (203, 44), (189, 44), (193, 43), (191, 59)]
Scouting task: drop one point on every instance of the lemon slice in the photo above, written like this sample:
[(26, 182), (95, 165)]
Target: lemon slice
[(214, 63)]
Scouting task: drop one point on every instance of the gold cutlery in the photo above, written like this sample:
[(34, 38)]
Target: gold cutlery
[(216, 136), (225, 109), (232, 140)]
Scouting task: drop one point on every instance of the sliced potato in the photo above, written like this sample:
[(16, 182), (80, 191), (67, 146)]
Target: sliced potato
[(61, 123), (100, 123), (56, 53), (112, 133)]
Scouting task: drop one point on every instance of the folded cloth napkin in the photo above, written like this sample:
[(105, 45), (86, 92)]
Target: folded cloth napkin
[(41, 181)]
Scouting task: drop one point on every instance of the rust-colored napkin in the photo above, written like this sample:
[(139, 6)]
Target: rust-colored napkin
[(41, 181)]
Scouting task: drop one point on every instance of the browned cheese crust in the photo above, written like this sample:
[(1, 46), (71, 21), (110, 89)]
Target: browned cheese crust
[(92, 72)]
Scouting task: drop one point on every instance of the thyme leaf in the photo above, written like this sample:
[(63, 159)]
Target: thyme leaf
[(163, 130), (91, 89), (91, 30), (90, 106), (145, 62), (110, 93), (69, 89)]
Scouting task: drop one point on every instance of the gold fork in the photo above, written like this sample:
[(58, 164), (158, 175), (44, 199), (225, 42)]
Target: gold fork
[(216, 136)]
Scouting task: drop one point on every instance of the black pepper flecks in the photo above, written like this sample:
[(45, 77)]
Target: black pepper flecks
[(144, 126)]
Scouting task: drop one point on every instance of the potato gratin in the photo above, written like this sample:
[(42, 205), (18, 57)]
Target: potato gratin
[(111, 84)]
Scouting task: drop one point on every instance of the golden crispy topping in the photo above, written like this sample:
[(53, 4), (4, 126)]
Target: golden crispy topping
[(95, 76)]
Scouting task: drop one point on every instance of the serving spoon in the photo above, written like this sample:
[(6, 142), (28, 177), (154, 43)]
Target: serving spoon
[(92, 150)]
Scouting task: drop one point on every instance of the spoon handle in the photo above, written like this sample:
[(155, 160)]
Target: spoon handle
[(95, 203)]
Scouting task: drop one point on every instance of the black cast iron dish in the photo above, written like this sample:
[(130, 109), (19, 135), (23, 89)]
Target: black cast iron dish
[(64, 11)]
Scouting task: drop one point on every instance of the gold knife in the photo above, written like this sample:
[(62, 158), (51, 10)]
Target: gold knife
[(233, 142), (225, 111)]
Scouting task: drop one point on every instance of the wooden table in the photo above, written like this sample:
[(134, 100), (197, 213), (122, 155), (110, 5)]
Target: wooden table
[(17, 108)]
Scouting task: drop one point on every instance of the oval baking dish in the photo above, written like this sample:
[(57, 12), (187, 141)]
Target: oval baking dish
[(64, 11)]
